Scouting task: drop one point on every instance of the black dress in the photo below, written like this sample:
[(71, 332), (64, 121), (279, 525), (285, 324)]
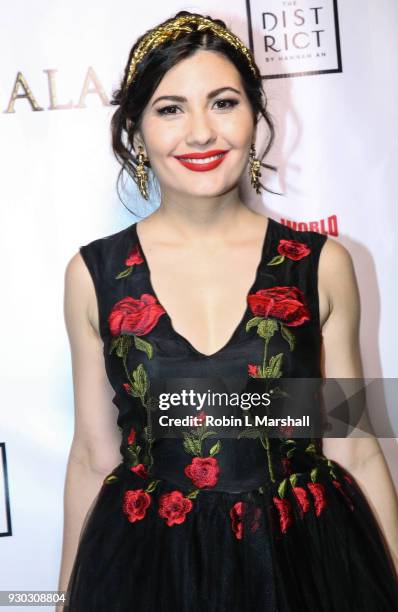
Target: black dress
[(204, 522)]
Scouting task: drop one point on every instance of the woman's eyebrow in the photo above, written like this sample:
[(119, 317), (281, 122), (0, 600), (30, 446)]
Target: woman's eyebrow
[(211, 94)]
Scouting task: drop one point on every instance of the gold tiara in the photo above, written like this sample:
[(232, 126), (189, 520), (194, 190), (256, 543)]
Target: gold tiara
[(173, 29)]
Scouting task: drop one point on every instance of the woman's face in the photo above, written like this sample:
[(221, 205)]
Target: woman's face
[(204, 109)]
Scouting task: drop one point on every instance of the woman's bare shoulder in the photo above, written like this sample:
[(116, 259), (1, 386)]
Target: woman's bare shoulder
[(79, 292), (336, 274)]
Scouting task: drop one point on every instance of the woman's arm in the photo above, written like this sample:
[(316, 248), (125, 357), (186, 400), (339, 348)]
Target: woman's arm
[(362, 456), (95, 446)]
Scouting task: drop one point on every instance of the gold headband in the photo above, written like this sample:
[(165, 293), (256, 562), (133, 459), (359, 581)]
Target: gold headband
[(173, 29)]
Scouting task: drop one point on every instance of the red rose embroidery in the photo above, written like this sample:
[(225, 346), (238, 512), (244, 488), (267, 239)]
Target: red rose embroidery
[(134, 257), (203, 471), (318, 492), (131, 316), (302, 499), (285, 303), (237, 512), (348, 479), (340, 488), (253, 370), (293, 249), (131, 436), (135, 504), (140, 470), (173, 507), (285, 513)]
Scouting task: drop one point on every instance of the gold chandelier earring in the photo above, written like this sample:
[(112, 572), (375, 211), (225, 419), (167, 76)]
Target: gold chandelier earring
[(254, 169), (141, 174)]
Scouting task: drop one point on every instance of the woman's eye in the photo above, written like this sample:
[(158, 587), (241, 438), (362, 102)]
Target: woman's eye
[(229, 102), (162, 111)]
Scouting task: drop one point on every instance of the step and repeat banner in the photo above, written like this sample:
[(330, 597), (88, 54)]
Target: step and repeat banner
[(329, 77)]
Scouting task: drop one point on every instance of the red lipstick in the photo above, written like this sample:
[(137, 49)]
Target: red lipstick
[(187, 160)]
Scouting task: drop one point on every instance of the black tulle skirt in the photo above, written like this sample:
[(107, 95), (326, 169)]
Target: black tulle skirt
[(309, 549)]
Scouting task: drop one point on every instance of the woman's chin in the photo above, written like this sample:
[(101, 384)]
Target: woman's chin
[(205, 187)]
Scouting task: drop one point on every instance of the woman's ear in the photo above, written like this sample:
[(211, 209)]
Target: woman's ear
[(138, 141), (137, 138)]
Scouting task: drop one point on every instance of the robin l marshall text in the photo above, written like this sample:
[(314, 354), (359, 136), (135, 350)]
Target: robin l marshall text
[(225, 421)]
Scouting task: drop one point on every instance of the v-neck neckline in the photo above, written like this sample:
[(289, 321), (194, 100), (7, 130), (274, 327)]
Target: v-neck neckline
[(237, 328)]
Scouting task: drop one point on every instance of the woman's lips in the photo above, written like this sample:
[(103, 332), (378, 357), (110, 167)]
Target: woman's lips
[(201, 165)]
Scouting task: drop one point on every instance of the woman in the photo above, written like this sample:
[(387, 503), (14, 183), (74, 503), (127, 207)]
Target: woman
[(198, 521)]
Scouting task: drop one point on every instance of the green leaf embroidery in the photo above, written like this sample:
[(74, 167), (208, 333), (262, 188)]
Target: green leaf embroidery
[(215, 448), (288, 336), (310, 448), (274, 368), (121, 344), (113, 345), (134, 449), (266, 329), (278, 259), (289, 441), (253, 322), (193, 494), (140, 380), (282, 488), (152, 486), (124, 346), (125, 273), (331, 464), (192, 445), (266, 444), (110, 479), (143, 345)]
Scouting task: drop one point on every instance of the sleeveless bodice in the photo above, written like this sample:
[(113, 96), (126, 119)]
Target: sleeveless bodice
[(278, 337)]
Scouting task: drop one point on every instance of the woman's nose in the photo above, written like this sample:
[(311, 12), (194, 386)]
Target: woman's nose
[(200, 129)]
